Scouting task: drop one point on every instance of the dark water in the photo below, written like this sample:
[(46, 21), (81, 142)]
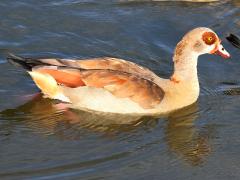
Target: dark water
[(40, 140)]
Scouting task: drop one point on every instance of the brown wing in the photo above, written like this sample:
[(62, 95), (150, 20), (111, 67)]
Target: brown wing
[(123, 85), (104, 63)]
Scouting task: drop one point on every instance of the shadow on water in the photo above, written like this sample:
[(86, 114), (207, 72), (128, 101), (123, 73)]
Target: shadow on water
[(47, 117)]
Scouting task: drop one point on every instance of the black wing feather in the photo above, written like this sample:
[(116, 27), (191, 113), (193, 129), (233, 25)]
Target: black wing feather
[(26, 63)]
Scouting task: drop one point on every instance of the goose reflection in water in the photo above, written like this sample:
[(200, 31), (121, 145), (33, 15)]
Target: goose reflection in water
[(43, 116), (185, 139)]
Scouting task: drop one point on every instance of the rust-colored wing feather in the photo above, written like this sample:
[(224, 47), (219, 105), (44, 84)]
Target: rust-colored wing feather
[(121, 84), (70, 78)]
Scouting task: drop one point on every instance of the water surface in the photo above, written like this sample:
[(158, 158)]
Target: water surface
[(41, 140)]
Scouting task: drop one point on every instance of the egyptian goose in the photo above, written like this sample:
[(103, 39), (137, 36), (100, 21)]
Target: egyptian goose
[(112, 85)]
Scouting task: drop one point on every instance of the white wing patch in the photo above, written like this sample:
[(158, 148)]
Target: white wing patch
[(48, 86)]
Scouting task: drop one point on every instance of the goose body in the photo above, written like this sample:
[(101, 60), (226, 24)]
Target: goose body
[(113, 85)]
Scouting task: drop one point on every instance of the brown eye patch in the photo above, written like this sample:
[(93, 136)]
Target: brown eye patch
[(209, 38)]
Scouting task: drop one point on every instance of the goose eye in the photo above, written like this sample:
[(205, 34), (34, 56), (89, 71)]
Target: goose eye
[(209, 38)]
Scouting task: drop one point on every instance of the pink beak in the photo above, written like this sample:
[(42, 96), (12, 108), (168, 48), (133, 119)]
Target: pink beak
[(220, 50)]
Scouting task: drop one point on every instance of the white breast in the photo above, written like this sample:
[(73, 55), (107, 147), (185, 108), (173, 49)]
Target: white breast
[(98, 99)]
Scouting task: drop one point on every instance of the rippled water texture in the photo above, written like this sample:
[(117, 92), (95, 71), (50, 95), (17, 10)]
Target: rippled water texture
[(40, 139)]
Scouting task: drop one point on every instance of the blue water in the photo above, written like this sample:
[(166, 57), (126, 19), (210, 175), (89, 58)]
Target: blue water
[(40, 140)]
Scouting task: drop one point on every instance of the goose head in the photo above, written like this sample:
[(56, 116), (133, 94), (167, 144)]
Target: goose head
[(203, 41), (197, 42)]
